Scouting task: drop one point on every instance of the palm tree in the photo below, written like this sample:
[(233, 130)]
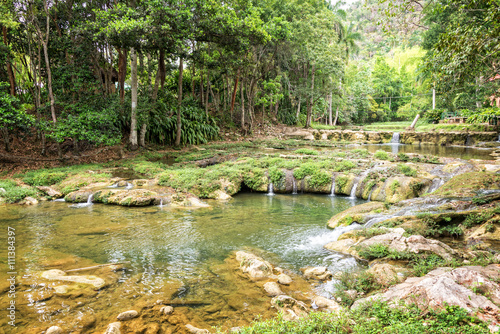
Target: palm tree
[(349, 37)]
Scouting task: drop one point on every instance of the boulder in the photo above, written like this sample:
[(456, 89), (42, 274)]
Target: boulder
[(273, 289), (133, 197), (195, 330), (356, 213), (222, 196), (317, 273), (127, 315), (290, 307), (30, 201), (256, 267), (79, 196), (471, 288), (326, 304), (415, 244), (284, 279), (50, 191), (386, 274), (59, 275), (344, 246)]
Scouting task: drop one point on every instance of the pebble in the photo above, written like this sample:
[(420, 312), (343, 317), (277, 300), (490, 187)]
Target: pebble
[(167, 310), (113, 328), (195, 330), (54, 330), (284, 279)]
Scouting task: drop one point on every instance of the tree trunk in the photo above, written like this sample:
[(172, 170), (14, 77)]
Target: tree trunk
[(161, 67), (330, 109), (234, 91), (298, 110), (202, 96), (122, 71), (242, 96), (336, 117), (179, 104), (10, 73), (311, 98), (142, 135), (133, 115), (5, 134), (208, 92)]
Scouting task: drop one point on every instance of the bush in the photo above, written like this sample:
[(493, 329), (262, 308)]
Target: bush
[(344, 166), (375, 251), (433, 116), (407, 170), (381, 155), (276, 175), (308, 168)]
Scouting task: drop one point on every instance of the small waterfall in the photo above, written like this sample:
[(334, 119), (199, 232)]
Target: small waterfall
[(294, 184), (468, 140), (353, 190), (395, 138), (129, 185), (114, 185), (370, 195), (436, 183), (270, 190), (319, 240), (161, 202), (89, 200), (332, 191)]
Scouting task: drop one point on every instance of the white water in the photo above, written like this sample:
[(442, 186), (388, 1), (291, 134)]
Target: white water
[(129, 185), (436, 183), (395, 138), (59, 200), (83, 205), (270, 190), (332, 192), (353, 190), (161, 203), (115, 185), (319, 240), (370, 195), (294, 191)]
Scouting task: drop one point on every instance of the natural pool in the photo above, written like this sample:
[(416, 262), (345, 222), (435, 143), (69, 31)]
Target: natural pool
[(174, 254)]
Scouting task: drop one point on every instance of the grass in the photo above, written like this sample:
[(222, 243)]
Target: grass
[(13, 193), (375, 317), (422, 127)]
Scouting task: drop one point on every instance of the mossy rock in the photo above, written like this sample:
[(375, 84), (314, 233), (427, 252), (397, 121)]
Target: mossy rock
[(357, 214), (79, 196), (134, 197), (396, 189), (344, 184), (467, 184)]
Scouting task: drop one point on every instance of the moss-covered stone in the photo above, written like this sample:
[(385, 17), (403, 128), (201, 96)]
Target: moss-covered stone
[(355, 214), (467, 184)]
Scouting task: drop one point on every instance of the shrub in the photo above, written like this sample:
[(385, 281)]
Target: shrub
[(320, 179), (344, 166), (276, 175), (403, 157), (381, 155), (407, 170), (375, 251), (308, 168)]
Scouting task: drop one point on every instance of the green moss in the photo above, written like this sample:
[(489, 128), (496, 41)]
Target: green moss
[(394, 186), (344, 166), (319, 179), (43, 177), (468, 183), (341, 182), (276, 175), (308, 168), (306, 151), (407, 170), (255, 178)]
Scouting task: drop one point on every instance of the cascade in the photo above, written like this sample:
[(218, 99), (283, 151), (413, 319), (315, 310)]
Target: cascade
[(129, 185), (332, 192), (89, 200), (395, 138), (294, 192), (353, 190), (270, 190)]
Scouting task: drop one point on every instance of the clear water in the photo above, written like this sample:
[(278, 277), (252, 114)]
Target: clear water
[(164, 244)]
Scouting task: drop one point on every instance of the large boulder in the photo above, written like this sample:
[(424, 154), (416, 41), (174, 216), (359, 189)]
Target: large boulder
[(133, 197), (317, 273), (49, 191), (472, 288), (256, 267), (357, 214)]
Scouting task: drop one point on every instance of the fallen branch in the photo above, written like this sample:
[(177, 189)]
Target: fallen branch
[(95, 267)]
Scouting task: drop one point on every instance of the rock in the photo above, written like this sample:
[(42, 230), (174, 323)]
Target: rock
[(195, 330), (355, 214), (167, 310), (353, 294), (54, 330), (414, 244), (318, 273), (291, 308), (222, 196), (30, 201), (61, 289), (235, 329), (2, 190), (284, 279), (79, 196), (386, 274), (273, 289), (113, 328), (59, 275), (325, 303), (133, 197), (345, 246), (470, 287), (193, 201), (50, 191), (481, 233), (127, 315), (256, 267)]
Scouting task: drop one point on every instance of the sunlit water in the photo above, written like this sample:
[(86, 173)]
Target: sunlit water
[(164, 244)]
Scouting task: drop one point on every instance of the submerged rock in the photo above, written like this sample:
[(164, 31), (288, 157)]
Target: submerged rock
[(472, 288), (318, 273), (273, 289), (79, 196), (54, 330), (290, 307), (59, 275), (127, 315), (195, 330), (166, 310), (256, 267), (29, 201), (113, 328)]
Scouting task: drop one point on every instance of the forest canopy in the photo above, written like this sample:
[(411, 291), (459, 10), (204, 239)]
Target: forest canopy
[(174, 72)]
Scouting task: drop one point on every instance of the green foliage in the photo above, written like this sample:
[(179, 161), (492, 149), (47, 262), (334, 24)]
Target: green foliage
[(407, 170), (276, 175), (12, 116), (14, 193), (344, 166), (403, 157), (341, 181), (44, 177), (433, 115), (319, 179), (381, 155), (308, 168), (375, 251), (306, 151), (394, 186), (359, 281)]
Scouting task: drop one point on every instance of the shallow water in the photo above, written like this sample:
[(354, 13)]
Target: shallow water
[(166, 245)]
